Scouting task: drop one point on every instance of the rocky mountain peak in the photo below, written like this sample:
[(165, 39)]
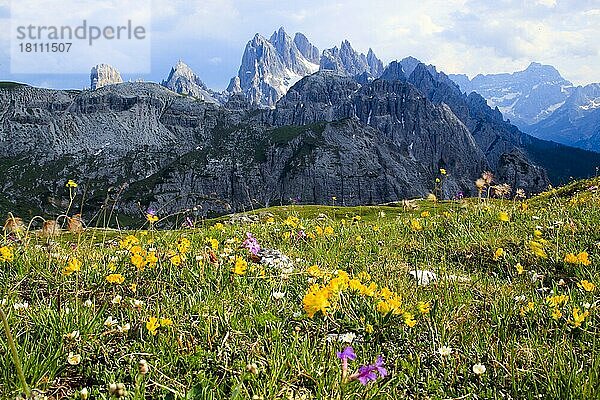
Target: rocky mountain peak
[(270, 67), (183, 80), (310, 52), (346, 60), (104, 74), (394, 72)]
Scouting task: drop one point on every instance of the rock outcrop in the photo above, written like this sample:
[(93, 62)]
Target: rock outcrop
[(104, 74)]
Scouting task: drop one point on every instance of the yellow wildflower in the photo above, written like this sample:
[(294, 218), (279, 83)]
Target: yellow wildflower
[(425, 214), (151, 259), (138, 261), (115, 278), (423, 307), (183, 245), (556, 314), (71, 184), (176, 260), (152, 218), (384, 307), (537, 248), (315, 271), (498, 253), (503, 216), (214, 243), (240, 266), (416, 225), (6, 254), (587, 285), (315, 300), (519, 268), (557, 300), (128, 242), (409, 319), (578, 317), (328, 231), (74, 265), (152, 325), (166, 322), (583, 259), (443, 171)]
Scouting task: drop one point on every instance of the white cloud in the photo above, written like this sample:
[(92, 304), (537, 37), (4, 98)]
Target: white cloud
[(467, 36)]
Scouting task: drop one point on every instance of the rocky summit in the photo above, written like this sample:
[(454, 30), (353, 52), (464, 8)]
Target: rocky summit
[(270, 67), (183, 80)]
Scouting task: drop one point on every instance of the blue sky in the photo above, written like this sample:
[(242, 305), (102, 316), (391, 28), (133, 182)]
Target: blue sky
[(458, 36)]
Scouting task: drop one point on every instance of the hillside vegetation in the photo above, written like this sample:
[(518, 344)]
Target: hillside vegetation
[(314, 302)]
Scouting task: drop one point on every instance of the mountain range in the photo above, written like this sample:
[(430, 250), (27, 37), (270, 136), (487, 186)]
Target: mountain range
[(542, 103), (293, 124)]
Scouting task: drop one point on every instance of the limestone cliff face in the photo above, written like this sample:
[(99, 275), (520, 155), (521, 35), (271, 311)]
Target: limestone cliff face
[(102, 75)]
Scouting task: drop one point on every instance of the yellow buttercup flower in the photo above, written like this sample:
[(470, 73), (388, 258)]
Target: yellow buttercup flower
[(74, 265), (315, 300), (152, 325), (240, 266), (587, 285), (423, 307), (409, 319), (6, 254), (71, 184), (115, 278), (578, 317), (519, 268), (416, 225), (498, 253), (503, 216), (556, 314)]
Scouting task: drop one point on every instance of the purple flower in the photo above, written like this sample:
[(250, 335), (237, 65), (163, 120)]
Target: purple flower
[(251, 244), (379, 367), (348, 353), (188, 222), (151, 211), (368, 373)]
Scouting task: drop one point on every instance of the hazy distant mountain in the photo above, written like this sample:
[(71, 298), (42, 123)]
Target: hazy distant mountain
[(270, 67), (525, 97), (183, 80), (576, 122)]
